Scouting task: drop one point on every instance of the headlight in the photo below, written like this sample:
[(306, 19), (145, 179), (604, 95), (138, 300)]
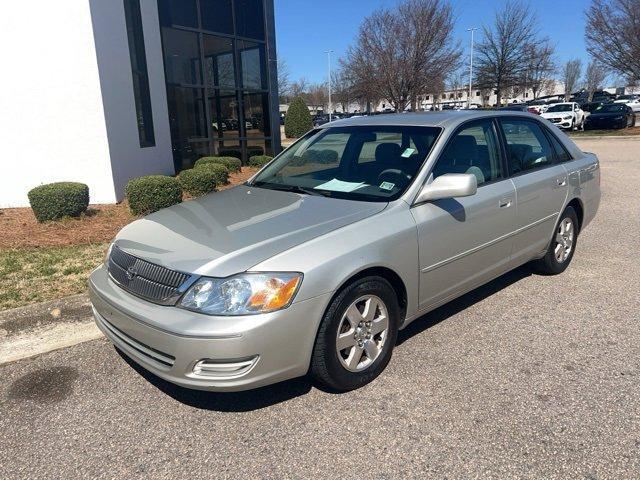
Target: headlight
[(243, 294), (621, 117), (567, 117)]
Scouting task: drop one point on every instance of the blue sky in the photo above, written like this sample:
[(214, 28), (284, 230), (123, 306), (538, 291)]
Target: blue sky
[(305, 29)]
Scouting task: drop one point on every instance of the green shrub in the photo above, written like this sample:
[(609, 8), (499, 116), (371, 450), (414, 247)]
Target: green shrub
[(56, 200), (233, 164), (259, 160), (230, 152), (297, 121), (198, 181), (152, 193), (220, 171)]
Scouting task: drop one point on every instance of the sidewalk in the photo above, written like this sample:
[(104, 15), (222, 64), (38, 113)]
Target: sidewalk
[(43, 327)]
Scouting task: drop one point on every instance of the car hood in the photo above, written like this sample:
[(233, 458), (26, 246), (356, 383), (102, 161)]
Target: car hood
[(230, 231), (595, 116)]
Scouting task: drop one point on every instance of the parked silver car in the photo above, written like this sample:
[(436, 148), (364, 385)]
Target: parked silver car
[(349, 235)]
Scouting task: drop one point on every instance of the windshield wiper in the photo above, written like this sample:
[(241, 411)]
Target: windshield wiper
[(293, 189)]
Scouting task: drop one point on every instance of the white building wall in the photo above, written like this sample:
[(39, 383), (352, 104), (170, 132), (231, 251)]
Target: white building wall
[(128, 160), (52, 125), (67, 110)]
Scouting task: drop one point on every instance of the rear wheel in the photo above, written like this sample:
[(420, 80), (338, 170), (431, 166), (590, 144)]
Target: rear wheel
[(562, 246), (357, 335)]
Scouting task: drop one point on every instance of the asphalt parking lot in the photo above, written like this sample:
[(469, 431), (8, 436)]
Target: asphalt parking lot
[(527, 377)]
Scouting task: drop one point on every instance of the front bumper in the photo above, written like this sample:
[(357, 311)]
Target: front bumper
[(241, 352), (560, 122)]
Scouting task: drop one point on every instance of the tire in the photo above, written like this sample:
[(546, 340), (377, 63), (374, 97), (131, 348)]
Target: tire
[(353, 366), (556, 260)]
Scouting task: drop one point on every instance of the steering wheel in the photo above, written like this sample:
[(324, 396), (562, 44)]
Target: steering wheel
[(393, 175)]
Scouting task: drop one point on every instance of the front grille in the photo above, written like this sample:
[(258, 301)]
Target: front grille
[(145, 279)]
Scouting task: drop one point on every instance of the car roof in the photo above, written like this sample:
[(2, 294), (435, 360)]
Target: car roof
[(449, 118)]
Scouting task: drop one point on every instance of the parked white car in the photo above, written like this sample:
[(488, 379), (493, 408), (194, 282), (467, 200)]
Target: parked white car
[(565, 115), (632, 101)]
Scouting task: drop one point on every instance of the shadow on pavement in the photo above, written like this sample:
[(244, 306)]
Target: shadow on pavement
[(228, 401), (462, 303), (280, 392)]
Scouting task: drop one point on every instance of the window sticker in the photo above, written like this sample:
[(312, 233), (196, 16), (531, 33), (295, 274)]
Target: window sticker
[(407, 153), (336, 185), (387, 186)]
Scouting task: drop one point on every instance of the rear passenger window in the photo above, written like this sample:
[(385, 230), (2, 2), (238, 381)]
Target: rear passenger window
[(561, 153), (527, 146), (474, 149)]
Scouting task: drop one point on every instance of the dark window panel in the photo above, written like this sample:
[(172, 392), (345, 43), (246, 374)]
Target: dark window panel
[(249, 19), (225, 120), (257, 146), (138, 57), (252, 65), (186, 113), (219, 62), (178, 12), (228, 148), (216, 15), (181, 57), (256, 114)]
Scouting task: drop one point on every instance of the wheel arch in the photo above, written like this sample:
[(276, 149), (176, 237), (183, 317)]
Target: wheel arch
[(576, 204), (390, 276)]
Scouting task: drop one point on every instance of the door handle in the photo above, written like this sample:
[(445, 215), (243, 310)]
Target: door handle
[(562, 181), (505, 203)]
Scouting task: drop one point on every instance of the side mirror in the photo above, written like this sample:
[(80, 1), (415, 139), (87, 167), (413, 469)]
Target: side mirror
[(449, 185)]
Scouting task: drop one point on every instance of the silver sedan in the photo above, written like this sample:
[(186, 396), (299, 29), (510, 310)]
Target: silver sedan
[(349, 235)]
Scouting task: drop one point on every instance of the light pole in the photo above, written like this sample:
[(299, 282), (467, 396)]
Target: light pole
[(470, 66), (328, 52)]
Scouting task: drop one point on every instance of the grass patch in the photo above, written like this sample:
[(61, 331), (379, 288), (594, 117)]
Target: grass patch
[(31, 274)]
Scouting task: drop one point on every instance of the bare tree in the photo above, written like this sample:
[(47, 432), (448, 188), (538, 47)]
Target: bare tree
[(342, 89), (571, 76), (594, 77), (318, 96), (299, 87), (399, 52), (284, 80), (502, 58), (540, 67), (613, 35)]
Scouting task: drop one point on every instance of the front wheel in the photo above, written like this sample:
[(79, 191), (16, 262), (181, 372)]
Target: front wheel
[(562, 246), (357, 335)]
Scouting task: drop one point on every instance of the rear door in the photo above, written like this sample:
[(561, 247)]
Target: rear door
[(541, 185), (464, 242)]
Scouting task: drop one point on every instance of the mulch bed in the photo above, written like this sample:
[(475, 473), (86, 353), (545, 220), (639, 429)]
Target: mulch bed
[(98, 225)]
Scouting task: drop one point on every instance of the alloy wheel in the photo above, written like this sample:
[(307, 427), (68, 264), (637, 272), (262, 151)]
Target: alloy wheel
[(564, 240), (362, 333)]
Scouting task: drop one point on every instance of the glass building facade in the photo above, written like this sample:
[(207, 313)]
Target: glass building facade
[(221, 91)]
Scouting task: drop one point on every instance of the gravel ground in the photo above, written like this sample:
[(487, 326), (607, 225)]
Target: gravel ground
[(527, 377)]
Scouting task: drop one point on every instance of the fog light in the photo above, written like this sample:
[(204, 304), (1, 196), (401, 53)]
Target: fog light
[(221, 369)]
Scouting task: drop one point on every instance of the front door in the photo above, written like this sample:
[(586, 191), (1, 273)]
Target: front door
[(464, 242)]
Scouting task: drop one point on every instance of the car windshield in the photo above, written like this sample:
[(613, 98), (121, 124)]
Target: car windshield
[(370, 163), (626, 97), (610, 108), (562, 107)]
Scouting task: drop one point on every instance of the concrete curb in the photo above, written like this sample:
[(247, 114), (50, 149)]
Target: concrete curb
[(44, 327)]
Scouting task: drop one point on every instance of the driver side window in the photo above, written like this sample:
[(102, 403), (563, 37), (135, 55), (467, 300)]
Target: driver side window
[(474, 149)]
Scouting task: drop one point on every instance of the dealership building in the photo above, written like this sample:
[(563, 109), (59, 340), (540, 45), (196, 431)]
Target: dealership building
[(102, 91)]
